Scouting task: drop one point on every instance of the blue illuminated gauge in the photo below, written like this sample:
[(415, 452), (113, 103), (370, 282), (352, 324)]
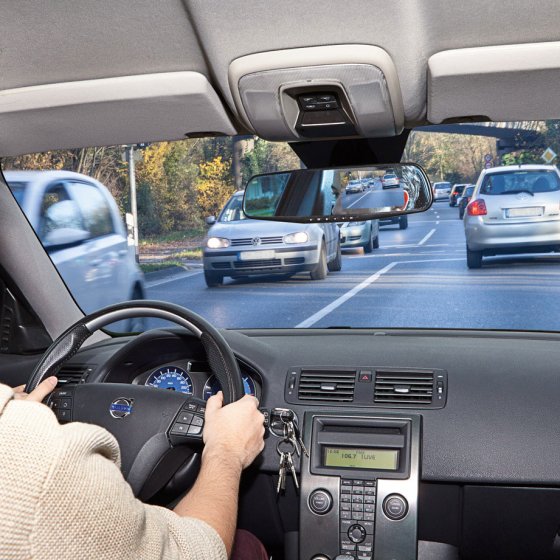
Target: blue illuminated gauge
[(213, 386), (172, 378)]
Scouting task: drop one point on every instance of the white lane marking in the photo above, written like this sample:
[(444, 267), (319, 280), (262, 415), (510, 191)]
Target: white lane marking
[(172, 279), (310, 321), (437, 223), (426, 237), (343, 298), (356, 201)]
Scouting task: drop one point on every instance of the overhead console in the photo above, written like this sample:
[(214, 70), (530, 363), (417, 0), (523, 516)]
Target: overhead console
[(360, 486), (318, 92)]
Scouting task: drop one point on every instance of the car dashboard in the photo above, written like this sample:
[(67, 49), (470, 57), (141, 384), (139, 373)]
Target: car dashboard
[(452, 436)]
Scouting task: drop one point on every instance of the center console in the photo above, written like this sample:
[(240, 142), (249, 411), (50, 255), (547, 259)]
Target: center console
[(359, 486)]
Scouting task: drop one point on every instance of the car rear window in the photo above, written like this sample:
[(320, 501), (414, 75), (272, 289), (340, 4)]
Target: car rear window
[(442, 185), (469, 191), (514, 182), (18, 190), (390, 176)]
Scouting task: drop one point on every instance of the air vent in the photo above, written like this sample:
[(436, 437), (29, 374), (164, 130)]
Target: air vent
[(327, 386), (404, 388), (72, 374)]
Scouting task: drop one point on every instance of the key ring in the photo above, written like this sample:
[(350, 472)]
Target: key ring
[(289, 442)]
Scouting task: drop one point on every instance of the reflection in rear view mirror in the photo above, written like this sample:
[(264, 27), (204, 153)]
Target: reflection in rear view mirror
[(347, 194)]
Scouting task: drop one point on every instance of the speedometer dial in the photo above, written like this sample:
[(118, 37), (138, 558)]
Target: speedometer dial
[(213, 386), (172, 378)]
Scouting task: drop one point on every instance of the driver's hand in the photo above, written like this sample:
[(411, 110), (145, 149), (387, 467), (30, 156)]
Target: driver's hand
[(235, 431), (39, 393)]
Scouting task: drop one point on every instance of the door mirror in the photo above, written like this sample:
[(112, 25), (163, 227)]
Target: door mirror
[(210, 220), (65, 237), (338, 195)]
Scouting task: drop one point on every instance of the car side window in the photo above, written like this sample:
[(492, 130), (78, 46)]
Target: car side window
[(57, 211), (95, 209)]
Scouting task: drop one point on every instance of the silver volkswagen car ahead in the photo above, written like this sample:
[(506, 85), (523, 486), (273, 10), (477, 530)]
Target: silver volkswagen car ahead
[(237, 246), (514, 209)]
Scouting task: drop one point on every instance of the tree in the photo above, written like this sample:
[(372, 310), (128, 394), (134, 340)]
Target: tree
[(213, 186)]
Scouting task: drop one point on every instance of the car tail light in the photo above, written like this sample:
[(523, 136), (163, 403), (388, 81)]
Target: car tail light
[(406, 199), (477, 208)]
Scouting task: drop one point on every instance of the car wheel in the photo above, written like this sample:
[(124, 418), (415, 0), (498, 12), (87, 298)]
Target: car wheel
[(474, 258), (370, 245), (376, 241), (336, 264), (461, 213), (213, 279), (136, 324), (320, 270), (403, 222)]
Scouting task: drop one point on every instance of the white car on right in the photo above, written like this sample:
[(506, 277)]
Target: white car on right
[(514, 209)]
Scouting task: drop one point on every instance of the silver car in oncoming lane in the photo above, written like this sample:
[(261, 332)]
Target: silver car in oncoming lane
[(237, 246), (514, 209)]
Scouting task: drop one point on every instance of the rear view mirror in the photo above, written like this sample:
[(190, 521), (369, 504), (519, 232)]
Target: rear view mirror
[(338, 195)]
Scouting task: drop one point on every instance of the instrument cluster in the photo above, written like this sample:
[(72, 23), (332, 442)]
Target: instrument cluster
[(193, 378)]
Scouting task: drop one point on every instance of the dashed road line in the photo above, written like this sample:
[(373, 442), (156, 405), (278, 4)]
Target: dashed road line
[(426, 237)]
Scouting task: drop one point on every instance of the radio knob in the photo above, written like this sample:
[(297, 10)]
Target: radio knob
[(320, 502), (356, 533), (395, 507)]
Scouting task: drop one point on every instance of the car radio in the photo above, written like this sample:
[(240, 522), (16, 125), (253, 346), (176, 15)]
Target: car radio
[(359, 486)]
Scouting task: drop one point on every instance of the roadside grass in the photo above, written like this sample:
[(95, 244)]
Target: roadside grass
[(162, 265), (173, 237), (189, 254)]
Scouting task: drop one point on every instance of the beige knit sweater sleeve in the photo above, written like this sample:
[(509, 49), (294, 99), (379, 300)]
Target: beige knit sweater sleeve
[(62, 496)]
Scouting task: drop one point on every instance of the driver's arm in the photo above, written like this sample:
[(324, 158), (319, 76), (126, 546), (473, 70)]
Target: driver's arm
[(233, 437), (63, 495)]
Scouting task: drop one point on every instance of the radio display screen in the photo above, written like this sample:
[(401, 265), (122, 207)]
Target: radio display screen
[(361, 458)]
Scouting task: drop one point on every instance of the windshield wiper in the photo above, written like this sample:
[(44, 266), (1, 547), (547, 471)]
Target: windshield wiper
[(518, 191)]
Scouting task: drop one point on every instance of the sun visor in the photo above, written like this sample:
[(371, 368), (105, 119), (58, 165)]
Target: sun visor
[(121, 110), (318, 92), (503, 83)]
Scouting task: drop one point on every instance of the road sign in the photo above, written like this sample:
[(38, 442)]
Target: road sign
[(488, 158), (488, 165), (549, 155)]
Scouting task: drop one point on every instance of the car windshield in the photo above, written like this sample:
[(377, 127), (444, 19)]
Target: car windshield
[(188, 241), (514, 182), (233, 210)]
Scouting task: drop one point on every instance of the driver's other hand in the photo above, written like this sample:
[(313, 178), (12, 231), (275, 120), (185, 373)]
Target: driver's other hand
[(234, 431), (39, 393)]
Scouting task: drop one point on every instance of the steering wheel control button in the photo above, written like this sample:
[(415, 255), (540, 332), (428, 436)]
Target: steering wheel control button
[(197, 421), (185, 418), (194, 430), (357, 533), (180, 429), (64, 415), (395, 507), (320, 502), (190, 406)]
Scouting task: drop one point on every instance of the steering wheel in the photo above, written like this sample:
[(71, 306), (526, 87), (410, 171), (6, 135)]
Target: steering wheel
[(148, 423)]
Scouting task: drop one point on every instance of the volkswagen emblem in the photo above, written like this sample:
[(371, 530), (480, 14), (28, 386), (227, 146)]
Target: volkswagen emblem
[(121, 407), (256, 241)]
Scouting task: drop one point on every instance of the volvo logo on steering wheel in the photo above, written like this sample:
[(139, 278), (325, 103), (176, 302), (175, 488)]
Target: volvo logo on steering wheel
[(121, 407)]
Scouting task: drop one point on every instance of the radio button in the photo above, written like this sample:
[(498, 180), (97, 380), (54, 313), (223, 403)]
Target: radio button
[(395, 507), (356, 533), (368, 526), (320, 502)]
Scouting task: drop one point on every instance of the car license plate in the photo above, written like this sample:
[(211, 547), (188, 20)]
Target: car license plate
[(256, 255), (529, 212)]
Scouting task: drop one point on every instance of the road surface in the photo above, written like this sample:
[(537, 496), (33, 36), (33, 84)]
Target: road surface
[(417, 278)]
